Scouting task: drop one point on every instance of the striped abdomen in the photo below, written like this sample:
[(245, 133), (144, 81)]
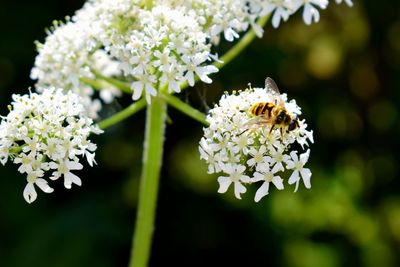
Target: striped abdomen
[(262, 108)]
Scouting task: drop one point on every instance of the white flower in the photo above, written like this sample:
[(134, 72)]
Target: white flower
[(236, 177), (267, 175), (64, 168), (236, 146), (144, 82), (26, 162), (258, 156), (310, 13), (193, 65), (277, 157), (46, 133), (30, 194), (280, 8), (348, 2), (299, 171)]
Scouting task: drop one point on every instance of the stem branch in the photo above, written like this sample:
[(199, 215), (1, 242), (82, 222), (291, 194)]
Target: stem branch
[(123, 114), (185, 108)]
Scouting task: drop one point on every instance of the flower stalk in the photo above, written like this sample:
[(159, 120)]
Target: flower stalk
[(123, 114), (185, 108), (148, 192)]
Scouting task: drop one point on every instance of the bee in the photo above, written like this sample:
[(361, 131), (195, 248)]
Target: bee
[(274, 114)]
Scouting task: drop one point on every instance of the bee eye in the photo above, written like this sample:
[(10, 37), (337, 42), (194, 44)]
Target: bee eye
[(293, 125)]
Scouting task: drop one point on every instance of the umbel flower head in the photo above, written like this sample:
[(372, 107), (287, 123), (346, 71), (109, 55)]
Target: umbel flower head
[(149, 48), (47, 133), (254, 136), (162, 47), (68, 55)]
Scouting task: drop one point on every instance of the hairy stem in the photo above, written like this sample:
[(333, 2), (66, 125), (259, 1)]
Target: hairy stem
[(123, 86), (185, 108), (123, 114), (148, 192)]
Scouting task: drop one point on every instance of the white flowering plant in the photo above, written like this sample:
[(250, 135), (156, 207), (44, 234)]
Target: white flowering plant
[(152, 50)]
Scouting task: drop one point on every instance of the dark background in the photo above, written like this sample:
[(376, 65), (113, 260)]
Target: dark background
[(344, 73)]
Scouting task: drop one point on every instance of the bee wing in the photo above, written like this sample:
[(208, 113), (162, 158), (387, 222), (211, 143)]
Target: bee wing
[(273, 89), (257, 120), (271, 86)]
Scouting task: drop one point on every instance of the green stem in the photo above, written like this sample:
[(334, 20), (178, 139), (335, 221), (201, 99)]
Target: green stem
[(123, 86), (95, 84), (185, 108), (152, 158), (123, 114)]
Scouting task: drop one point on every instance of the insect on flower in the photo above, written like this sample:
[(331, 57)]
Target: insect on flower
[(273, 114)]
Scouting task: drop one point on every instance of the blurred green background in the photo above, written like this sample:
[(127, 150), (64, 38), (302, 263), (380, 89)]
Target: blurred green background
[(345, 74)]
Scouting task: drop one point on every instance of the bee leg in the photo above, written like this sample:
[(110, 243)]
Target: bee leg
[(281, 129), (272, 127), (244, 132)]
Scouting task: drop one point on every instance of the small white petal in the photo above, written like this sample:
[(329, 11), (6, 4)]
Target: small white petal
[(73, 165), (70, 178), (216, 29), (310, 14), (230, 34), (278, 182), (349, 3), (239, 189), (190, 78), (278, 167), (294, 156), (224, 183), (245, 179), (42, 184), (276, 19), (262, 191), (202, 72), (137, 88), (304, 157), (258, 30), (294, 177), (258, 177), (90, 158), (306, 175), (151, 90), (30, 193)]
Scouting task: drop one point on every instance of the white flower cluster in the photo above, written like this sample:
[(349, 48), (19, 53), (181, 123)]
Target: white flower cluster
[(165, 46), (247, 152), (283, 9), (227, 18), (46, 133), (66, 56), (161, 46)]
